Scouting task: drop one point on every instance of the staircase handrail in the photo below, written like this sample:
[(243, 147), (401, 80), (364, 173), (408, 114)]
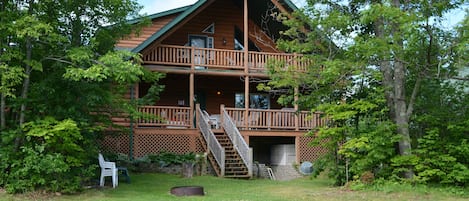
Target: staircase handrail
[(238, 141), (212, 143)]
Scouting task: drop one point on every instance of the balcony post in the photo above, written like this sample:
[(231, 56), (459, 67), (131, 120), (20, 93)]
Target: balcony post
[(297, 119), (191, 88), (222, 112), (197, 115), (191, 100), (297, 150), (246, 64)]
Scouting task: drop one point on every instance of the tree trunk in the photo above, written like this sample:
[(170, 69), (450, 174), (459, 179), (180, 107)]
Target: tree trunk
[(188, 169), (2, 112), (394, 80), (26, 81), (401, 116)]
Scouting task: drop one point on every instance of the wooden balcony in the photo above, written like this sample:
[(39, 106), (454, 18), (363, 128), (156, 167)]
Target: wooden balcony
[(257, 119), (274, 119), (221, 59), (165, 116)]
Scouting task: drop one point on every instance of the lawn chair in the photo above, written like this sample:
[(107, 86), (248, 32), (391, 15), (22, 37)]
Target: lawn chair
[(108, 169)]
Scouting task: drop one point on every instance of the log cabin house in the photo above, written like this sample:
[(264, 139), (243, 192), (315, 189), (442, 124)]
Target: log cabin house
[(211, 52)]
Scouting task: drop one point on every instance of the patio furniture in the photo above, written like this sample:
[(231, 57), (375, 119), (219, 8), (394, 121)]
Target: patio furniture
[(108, 169)]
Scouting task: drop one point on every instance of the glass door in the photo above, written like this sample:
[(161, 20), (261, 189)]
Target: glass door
[(199, 56)]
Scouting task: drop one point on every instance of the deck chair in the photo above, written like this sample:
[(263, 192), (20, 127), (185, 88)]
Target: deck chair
[(108, 169)]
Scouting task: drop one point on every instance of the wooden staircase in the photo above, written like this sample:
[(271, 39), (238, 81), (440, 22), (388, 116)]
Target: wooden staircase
[(228, 158), (234, 166)]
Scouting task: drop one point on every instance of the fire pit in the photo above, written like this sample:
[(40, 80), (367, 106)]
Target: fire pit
[(187, 190)]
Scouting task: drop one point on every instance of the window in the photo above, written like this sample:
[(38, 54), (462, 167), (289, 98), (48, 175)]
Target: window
[(256, 101), (238, 45), (210, 42), (210, 29)]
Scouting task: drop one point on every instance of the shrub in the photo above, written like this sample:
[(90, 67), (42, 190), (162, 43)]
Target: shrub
[(52, 158)]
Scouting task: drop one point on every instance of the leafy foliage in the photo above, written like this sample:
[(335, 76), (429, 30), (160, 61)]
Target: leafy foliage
[(382, 76), (61, 81), (53, 158)]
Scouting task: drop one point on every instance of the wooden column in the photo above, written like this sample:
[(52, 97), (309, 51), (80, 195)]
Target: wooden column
[(297, 150), (222, 115), (297, 119), (246, 64), (191, 99), (246, 101), (191, 89)]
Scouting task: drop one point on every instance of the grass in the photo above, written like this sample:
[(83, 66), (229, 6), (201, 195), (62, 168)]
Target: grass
[(156, 187)]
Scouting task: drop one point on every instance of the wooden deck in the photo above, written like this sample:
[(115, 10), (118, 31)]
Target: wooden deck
[(221, 59), (254, 119)]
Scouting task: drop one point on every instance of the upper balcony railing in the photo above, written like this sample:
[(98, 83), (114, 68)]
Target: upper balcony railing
[(222, 59)]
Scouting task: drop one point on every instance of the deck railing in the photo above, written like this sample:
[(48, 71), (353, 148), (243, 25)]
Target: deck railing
[(270, 119), (238, 141), (281, 119), (210, 58), (212, 143), (165, 116)]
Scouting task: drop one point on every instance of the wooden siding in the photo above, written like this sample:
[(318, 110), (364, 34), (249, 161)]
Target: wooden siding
[(226, 16), (134, 39)]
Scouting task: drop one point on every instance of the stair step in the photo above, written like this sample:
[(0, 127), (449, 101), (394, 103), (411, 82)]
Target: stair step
[(234, 165), (242, 169), (236, 174)]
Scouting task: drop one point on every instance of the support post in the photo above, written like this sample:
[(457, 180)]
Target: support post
[(222, 115), (297, 150), (246, 65), (246, 102), (191, 99), (197, 115), (131, 132), (297, 119)]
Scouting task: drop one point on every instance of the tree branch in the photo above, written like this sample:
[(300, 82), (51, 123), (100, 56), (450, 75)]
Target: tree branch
[(410, 106)]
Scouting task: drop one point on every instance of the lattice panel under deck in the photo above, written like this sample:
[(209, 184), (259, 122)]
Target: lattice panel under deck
[(154, 143), (307, 152), (115, 144)]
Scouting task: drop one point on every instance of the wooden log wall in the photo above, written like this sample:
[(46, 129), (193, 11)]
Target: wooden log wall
[(134, 39), (226, 15)]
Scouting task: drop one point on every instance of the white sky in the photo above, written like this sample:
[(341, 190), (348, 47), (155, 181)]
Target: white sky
[(155, 6)]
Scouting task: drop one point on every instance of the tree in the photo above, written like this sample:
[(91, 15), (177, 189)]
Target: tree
[(59, 72), (362, 46)]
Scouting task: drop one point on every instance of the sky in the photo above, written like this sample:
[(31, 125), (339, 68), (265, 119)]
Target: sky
[(155, 6)]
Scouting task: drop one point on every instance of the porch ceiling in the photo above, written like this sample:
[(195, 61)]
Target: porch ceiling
[(186, 70)]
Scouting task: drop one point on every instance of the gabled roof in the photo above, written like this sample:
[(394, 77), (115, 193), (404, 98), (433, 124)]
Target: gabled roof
[(186, 11), (160, 14)]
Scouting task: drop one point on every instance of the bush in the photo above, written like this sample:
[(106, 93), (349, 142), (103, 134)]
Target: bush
[(52, 158)]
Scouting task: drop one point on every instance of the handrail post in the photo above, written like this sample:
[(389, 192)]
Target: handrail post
[(250, 153), (222, 110), (297, 119), (197, 115)]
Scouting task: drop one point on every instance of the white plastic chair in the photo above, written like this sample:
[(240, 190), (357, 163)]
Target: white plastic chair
[(107, 169)]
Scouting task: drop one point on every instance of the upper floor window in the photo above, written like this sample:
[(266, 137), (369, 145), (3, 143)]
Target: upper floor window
[(256, 101), (210, 29)]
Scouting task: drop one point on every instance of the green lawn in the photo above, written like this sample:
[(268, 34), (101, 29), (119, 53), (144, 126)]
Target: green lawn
[(157, 186)]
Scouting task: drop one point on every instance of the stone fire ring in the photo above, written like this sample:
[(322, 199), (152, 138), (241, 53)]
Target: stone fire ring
[(187, 190)]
